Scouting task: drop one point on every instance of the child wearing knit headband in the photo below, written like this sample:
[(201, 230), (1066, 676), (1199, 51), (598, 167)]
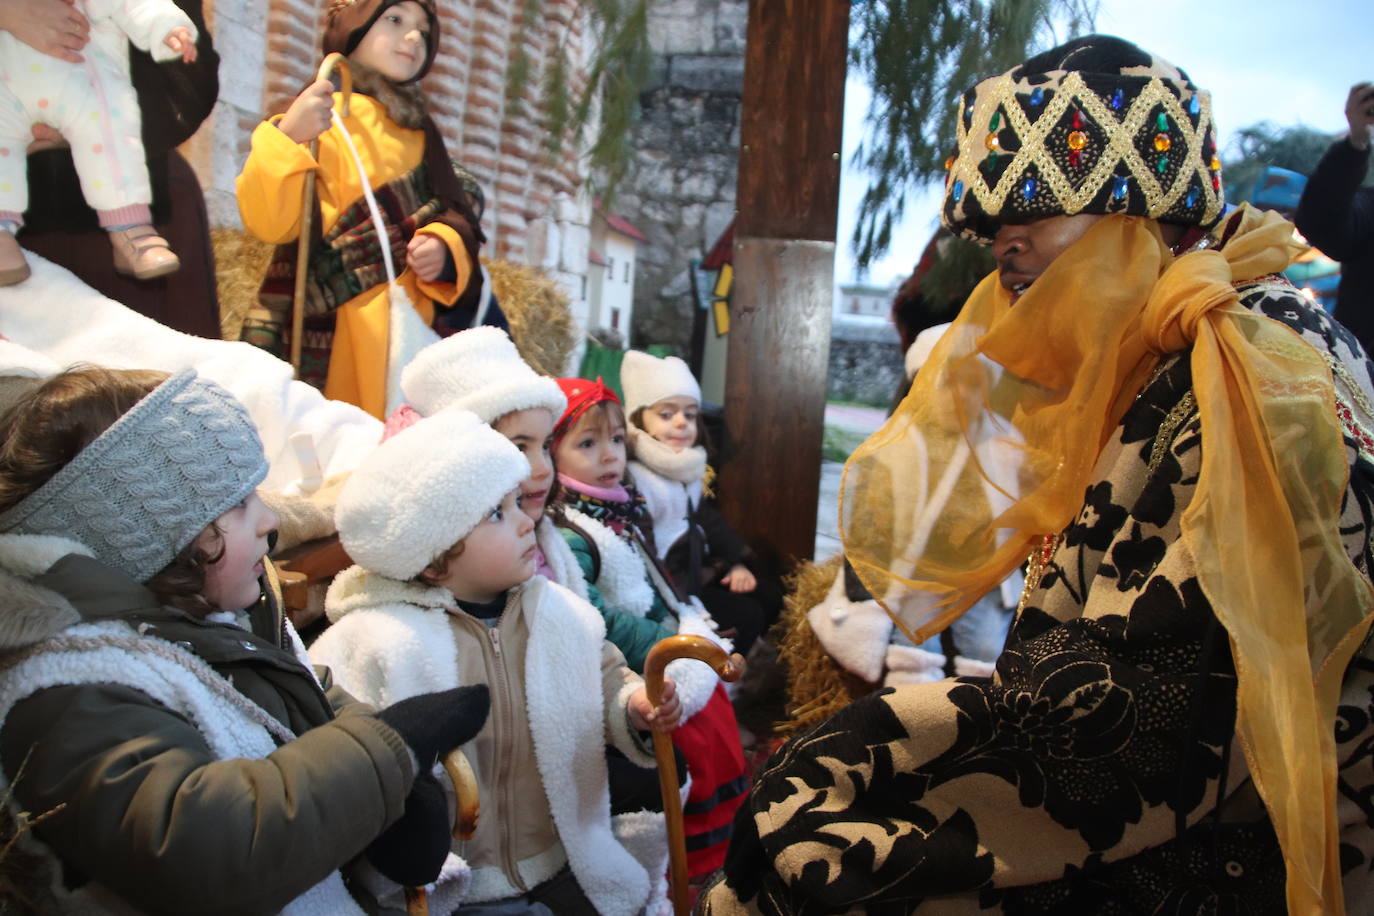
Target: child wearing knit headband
[(445, 594), (155, 704)]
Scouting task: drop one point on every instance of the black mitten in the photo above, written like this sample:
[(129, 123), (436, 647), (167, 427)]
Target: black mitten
[(435, 723), (412, 850)]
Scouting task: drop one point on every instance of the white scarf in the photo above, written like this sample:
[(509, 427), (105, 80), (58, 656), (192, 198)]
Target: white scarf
[(687, 466)]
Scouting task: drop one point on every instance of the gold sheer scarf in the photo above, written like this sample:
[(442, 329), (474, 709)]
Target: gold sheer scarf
[(994, 447)]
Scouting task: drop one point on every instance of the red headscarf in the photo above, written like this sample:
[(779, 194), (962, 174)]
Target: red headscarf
[(582, 395)]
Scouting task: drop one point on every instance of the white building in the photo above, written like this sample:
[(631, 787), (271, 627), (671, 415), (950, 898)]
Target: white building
[(610, 287), (862, 300)]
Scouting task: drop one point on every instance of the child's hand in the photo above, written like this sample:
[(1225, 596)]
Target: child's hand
[(308, 116), (645, 717), (426, 255), (179, 40), (740, 579)]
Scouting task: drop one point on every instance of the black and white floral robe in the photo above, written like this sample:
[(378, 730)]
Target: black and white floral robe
[(1085, 776)]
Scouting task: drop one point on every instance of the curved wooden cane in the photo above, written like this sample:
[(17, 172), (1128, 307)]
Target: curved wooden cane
[(729, 668), (464, 821), (327, 67)]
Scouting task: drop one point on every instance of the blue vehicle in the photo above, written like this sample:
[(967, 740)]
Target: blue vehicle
[(1314, 273)]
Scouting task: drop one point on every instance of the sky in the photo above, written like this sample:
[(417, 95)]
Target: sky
[(1259, 59)]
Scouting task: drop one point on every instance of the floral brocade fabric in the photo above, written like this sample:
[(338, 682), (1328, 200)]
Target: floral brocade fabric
[(1096, 772)]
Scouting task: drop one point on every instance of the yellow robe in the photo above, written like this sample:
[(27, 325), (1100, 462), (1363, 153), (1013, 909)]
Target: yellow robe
[(269, 195)]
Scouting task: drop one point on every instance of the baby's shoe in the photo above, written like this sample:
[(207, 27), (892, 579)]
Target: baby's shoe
[(142, 253), (13, 268)]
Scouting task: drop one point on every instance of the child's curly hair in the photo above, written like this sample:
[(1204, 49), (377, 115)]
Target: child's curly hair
[(50, 425)]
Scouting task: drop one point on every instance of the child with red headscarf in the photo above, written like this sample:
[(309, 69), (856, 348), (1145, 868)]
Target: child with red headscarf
[(603, 520)]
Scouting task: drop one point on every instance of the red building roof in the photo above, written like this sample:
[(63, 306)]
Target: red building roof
[(621, 225)]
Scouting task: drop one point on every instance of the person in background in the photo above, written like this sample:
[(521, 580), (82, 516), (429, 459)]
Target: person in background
[(175, 98), (667, 448), (1337, 214), (603, 519)]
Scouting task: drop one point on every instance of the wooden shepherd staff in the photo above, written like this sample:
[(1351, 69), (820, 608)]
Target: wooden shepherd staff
[(303, 242), (729, 668), (464, 820)]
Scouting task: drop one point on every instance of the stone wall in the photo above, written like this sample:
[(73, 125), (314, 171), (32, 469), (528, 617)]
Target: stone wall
[(687, 157), (536, 213), (866, 362)]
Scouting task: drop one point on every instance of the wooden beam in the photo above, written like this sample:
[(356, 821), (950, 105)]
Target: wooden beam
[(788, 197)]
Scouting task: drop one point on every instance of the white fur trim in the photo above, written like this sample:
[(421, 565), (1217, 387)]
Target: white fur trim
[(621, 579), (668, 503), (181, 682), (646, 380), (390, 650), (569, 747), (919, 351), (478, 370), (30, 555), (854, 633), (444, 895), (973, 667), (387, 650), (489, 882), (645, 835), (559, 557), (911, 665), (687, 466), (695, 680), (421, 491)]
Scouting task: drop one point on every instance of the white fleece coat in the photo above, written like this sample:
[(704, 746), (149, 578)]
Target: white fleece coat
[(558, 556), (92, 103), (392, 640), (113, 652), (627, 581)]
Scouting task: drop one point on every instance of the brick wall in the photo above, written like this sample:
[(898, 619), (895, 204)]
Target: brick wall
[(536, 213)]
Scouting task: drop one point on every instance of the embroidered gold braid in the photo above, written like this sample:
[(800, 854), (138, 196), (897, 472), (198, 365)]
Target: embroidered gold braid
[(1164, 438), (1120, 146), (1036, 564)]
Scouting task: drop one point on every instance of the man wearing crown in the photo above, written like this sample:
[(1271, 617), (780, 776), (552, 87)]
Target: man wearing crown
[(1181, 718)]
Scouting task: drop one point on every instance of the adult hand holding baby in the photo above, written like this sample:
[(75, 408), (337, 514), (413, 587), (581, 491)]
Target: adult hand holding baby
[(52, 27)]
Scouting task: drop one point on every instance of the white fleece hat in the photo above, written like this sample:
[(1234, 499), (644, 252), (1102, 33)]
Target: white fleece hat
[(423, 490), (646, 380), (481, 371)]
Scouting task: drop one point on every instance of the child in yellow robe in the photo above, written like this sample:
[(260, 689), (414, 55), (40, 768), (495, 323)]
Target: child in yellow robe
[(355, 341)]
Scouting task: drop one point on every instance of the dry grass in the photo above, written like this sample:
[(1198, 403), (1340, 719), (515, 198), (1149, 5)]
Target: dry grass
[(540, 313), (817, 687), (240, 262), (23, 874)]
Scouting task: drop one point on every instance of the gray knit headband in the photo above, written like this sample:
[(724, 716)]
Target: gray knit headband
[(148, 485)]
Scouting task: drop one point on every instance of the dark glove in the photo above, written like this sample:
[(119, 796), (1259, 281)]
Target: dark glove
[(412, 850), (435, 723)]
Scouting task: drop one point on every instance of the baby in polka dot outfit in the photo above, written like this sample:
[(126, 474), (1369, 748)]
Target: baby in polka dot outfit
[(93, 105)]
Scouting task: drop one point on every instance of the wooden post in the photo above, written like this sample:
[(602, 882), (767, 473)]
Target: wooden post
[(788, 195)]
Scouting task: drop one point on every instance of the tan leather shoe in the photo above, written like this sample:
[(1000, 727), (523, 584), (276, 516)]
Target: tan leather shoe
[(140, 252), (13, 268)]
